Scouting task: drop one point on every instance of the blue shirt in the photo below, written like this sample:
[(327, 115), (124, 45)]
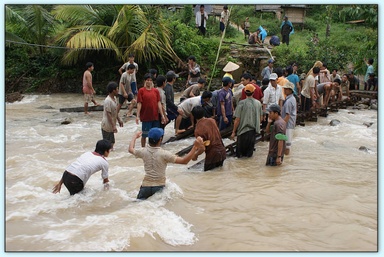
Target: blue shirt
[(226, 97), (293, 78)]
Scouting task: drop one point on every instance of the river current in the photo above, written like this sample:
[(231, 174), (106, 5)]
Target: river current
[(323, 198)]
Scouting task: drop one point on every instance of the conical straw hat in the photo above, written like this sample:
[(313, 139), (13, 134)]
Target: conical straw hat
[(230, 67)]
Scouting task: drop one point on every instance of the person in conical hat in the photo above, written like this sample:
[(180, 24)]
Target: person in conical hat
[(229, 68)]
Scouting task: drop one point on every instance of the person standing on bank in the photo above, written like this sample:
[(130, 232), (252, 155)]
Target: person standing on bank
[(110, 114), (88, 87), (224, 18), (207, 129), (248, 116), (276, 146), (289, 113), (286, 28), (247, 25), (155, 161), (201, 20), (370, 69), (77, 174)]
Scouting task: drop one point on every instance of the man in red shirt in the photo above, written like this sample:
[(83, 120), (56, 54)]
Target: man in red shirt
[(246, 79), (148, 108)]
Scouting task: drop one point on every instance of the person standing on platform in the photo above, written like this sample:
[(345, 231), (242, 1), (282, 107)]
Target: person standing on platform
[(88, 87)]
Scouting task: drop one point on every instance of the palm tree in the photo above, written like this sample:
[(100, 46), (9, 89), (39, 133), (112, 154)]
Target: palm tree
[(31, 23), (113, 28)]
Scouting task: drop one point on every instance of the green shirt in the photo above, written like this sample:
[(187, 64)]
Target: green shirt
[(249, 111)]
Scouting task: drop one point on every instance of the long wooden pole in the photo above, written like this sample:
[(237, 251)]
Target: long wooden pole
[(218, 50)]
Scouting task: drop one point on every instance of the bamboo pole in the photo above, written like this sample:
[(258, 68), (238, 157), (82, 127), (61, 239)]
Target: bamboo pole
[(218, 50)]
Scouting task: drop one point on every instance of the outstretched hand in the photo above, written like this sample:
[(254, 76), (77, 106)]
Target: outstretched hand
[(56, 189)]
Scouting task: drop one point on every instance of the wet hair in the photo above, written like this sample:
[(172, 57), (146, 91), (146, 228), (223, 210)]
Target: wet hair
[(279, 71), (289, 70), (147, 76), (198, 112), (206, 94), (370, 61), (193, 58), (131, 66), (111, 86), (201, 5), (316, 70), (247, 76), (152, 71), (102, 146), (265, 81), (338, 81), (153, 142), (88, 65), (160, 80), (131, 55), (225, 7)]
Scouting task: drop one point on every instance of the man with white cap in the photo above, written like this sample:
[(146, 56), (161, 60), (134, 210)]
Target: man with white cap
[(156, 159), (277, 138), (247, 123), (273, 94), (289, 113)]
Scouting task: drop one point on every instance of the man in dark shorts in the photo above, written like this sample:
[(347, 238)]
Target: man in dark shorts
[(125, 90), (155, 161), (77, 174)]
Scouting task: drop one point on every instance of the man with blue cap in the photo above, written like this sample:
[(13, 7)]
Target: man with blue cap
[(156, 159)]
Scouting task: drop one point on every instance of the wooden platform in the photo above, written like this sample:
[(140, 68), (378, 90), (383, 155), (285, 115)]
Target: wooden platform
[(90, 108)]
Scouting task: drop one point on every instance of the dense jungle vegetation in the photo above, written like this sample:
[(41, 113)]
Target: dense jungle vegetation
[(47, 46)]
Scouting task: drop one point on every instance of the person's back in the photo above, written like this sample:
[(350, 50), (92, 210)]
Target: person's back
[(274, 40), (206, 128), (249, 110)]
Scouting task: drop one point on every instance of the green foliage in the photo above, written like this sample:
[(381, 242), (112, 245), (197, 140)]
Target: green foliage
[(163, 38)]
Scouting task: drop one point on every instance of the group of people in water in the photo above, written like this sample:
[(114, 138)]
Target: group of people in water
[(245, 108)]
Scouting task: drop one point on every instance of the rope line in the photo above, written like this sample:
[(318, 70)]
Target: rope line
[(59, 47)]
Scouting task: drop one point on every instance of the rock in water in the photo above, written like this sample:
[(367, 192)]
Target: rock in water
[(45, 107), (334, 122), (66, 121), (368, 124)]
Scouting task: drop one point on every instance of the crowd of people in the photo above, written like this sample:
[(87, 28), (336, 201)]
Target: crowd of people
[(245, 107)]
